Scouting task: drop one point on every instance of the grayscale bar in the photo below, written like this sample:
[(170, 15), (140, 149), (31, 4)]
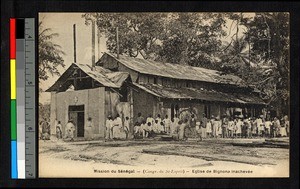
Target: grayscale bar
[(30, 125), (20, 65)]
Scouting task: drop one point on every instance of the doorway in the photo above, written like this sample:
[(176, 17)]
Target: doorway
[(76, 113)]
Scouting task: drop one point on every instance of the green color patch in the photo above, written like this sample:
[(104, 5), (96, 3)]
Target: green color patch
[(13, 119)]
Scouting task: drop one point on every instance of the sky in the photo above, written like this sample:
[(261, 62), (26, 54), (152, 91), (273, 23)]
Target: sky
[(62, 23)]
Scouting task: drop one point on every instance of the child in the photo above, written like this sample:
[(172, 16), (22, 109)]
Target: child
[(145, 129), (158, 118), (137, 130), (208, 129), (161, 127), (167, 123), (150, 130), (156, 126), (150, 119)]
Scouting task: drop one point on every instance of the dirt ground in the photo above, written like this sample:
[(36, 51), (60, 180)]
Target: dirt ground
[(209, 158)]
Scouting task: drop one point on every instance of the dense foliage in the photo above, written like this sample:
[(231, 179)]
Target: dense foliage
[(257, 49)]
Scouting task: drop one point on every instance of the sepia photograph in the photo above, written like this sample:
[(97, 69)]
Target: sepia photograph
[(164, 94)]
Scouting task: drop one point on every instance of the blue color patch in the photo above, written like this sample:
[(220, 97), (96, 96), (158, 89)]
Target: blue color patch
[(14, 160)]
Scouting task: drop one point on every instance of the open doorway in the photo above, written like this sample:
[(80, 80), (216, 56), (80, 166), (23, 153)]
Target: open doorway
[(76, 113)]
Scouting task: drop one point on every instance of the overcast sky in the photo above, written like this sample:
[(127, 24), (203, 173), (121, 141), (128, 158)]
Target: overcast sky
[(62, 23)]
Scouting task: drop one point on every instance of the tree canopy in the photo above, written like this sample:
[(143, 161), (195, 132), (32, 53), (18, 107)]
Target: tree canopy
[(50, 54), (258, 49)]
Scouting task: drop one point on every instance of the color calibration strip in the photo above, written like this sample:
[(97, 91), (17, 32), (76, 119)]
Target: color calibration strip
[(13, 106), (22, 78)]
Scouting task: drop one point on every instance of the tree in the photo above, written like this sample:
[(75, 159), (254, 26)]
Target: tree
[(193, 39), (50, 54), (267, 61), (269, 35), (138, 32), (185, 38)]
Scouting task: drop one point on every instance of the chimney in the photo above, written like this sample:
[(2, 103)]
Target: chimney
[(74, 40), (118, 47), (99, 35), (93, 43)]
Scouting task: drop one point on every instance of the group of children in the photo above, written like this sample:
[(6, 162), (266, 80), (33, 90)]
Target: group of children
[(240, 127), (174, 127), (145, 128)]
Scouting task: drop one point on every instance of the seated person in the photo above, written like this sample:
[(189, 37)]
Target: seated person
[(162, 127), (156, 126), (137, 130), (145, 129)]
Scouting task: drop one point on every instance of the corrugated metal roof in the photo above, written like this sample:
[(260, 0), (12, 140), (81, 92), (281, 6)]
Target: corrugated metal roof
[(104, 76), (206, 95), (117, 78), (176, 71), (98, 74)]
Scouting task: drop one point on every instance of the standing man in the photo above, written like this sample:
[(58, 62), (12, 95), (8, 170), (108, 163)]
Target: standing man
[(203, 126), (70, 129), (117, 126), (224, 126), (126, 126), (193, 125), (89, 129), (108, 126)]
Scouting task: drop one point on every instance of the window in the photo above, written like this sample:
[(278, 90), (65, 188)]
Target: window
[(155, 80)]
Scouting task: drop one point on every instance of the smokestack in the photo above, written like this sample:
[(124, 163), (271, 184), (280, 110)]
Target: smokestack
[(93, 43), (98, 34), (118, 48), (74, 40)]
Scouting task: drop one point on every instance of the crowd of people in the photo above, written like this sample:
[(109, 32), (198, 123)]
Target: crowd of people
[(181, 129), (215, 127)]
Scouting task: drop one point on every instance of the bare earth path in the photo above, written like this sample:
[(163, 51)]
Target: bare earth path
[(209, 158)]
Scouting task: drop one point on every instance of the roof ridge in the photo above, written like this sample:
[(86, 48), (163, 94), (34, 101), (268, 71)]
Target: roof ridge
[(176, 71), (167, 63)]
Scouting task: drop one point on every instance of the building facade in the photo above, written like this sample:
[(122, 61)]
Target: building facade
[(169, 89), (128, 86), (82, 92)]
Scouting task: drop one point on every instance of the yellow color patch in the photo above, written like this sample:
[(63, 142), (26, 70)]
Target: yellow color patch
[(13, 85)]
